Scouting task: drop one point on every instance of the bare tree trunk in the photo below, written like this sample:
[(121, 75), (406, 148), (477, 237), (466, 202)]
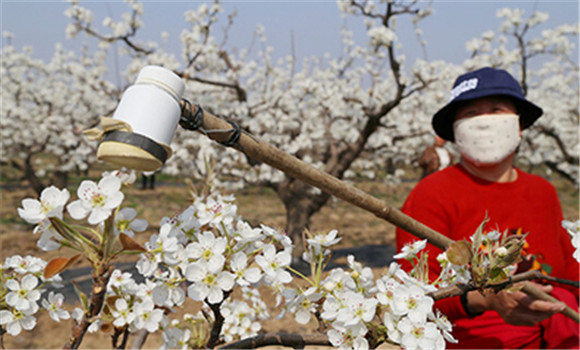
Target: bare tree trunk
[(60, 179), (30, 175), (300, 204)]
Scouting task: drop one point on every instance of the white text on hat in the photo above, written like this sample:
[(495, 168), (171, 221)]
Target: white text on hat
[(463, 87)]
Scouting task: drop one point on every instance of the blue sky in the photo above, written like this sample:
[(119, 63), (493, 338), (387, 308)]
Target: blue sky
[(315, 24)]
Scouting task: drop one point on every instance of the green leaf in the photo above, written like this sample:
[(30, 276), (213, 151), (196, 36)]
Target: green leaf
[(497, 276), (82, 296), (547, 268)]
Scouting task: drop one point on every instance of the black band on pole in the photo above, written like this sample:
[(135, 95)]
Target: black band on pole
[(235, 136), (138, 140), (188, 120)]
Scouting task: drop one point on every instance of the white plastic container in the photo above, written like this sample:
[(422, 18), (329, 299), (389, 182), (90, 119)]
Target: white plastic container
[(151, 105)]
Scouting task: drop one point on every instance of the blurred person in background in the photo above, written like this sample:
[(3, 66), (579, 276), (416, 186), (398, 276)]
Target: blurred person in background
[(435, 157)]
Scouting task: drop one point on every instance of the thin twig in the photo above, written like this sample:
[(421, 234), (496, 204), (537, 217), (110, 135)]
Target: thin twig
[(139, 340), (2, 331), (218, 322), (123, 344)]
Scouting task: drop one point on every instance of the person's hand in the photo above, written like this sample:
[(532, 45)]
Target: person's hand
[(517, 308)]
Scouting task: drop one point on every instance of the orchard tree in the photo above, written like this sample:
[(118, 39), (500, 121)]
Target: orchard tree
[(45, 107), (325, 112), (554, 86)]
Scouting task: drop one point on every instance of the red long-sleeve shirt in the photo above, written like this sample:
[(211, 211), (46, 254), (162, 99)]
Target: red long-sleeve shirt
[(454, 203)]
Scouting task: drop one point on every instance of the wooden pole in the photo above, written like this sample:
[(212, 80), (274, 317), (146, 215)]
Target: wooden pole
[(266, 153), (255, 148)]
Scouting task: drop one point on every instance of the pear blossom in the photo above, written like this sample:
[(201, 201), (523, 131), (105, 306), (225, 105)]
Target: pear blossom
[(347, 338), (381, 35), (410, 251), (246, 328), (386, 290), (146, 316), (279, 236), (208, 248), (245, 233), (420, 335), (77, 314), (215, 211), (390, 321), (50, 238), (23, 296), (244, 275), (183, 225), (333, 305), (164, 244), (363, 275), (209, 281), (122, 313), (301, 303), (444, 325), (239, 320), (15, 321), (359, 310), (126, 177), (451, 273), (24, 265), (122, 282), (51, 204), (175, 338), (125, 222), (338, 281), (273, 263), (97, 200), (320, 241), (411, 301), (148, 263), (95, 326), (54, 305)]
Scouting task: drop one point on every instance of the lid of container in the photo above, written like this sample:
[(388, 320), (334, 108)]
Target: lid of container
[(133, 151), (164, 78)]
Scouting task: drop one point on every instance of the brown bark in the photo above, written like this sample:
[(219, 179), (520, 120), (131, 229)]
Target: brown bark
[(30, 176), (296, 341), (96, 304), (60, 179), (300, 205)]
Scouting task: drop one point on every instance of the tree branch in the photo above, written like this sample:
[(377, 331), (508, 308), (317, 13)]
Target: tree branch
[(96, 304), (296, 341)]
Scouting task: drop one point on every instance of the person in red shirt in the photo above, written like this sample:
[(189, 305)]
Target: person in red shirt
[(485, 118)]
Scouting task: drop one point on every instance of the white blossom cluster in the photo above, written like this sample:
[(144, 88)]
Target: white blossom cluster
[(46, 106), (353, 301), (207, 252), (23, 286), (573, 229), (209, 248)]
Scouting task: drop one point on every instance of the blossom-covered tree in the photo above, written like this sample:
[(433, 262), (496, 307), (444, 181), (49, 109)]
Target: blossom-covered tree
[(45, 108)]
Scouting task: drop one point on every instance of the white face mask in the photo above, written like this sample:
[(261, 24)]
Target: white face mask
[(487, 139)]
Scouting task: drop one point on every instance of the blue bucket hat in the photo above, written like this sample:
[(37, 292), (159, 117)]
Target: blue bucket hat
[(484, 82)]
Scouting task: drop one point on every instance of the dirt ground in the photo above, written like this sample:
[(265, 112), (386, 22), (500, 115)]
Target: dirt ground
[(256, 205)]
